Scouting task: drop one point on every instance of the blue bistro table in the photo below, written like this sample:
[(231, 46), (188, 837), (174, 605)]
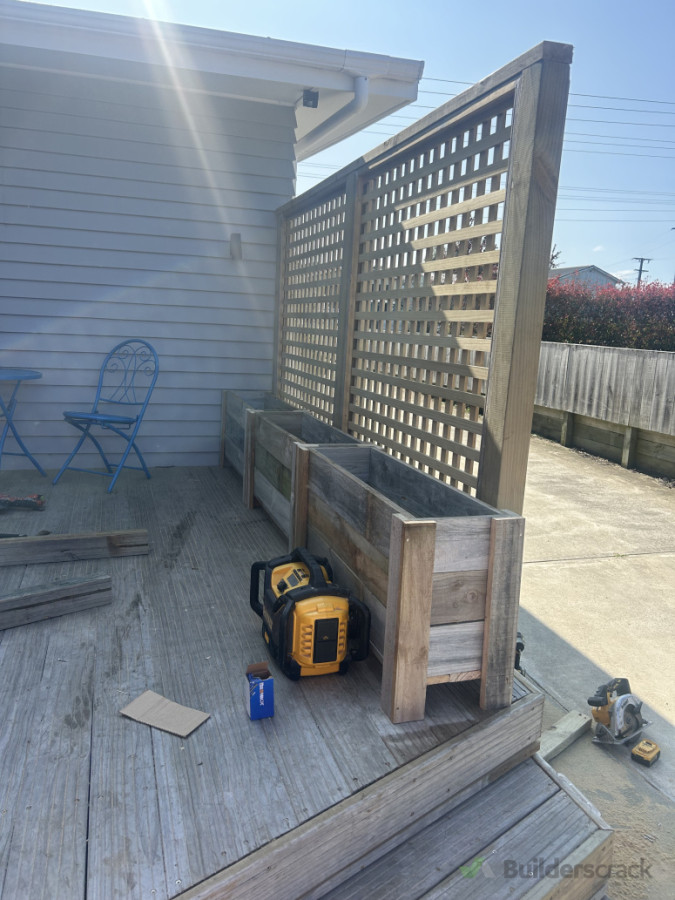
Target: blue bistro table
[(7, 408)]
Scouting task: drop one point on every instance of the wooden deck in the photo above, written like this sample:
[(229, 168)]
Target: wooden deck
[(95, 805)]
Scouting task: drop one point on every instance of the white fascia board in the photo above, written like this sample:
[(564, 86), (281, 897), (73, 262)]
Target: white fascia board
[(157, 43)]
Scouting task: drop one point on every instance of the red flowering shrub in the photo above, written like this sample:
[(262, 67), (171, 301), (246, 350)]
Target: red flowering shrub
[(639, 317)]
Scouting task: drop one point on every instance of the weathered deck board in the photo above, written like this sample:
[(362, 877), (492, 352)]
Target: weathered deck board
[(435, 852), (125, 850), (46, 698), (165, 813), (517, 821)]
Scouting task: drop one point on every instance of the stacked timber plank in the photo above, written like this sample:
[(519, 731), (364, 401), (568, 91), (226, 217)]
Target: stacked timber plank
[(57, 598)]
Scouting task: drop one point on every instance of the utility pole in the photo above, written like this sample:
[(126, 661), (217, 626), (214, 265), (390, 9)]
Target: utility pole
[(642, 260)]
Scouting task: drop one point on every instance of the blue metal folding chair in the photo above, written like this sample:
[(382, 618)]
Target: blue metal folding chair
[(126, 381)]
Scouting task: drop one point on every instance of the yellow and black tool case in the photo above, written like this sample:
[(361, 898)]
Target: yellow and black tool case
[(312, 626)]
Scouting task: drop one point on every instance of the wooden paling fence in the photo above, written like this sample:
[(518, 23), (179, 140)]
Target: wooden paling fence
[(412, 282), (617, 402)]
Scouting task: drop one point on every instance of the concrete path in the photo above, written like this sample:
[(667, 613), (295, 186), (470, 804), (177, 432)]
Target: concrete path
[(597, 602)]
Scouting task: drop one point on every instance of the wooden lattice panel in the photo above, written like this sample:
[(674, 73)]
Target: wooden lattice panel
[(311, 297), (431, 222), (424, 265)]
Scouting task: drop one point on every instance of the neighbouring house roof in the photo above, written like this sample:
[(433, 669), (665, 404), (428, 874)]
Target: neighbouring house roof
[(578, 273), (355, 89)]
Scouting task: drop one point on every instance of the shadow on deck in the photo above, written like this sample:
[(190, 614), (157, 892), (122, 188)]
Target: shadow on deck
[(95, 805)]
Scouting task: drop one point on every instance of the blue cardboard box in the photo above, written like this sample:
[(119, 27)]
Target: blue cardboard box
[(260, 691)]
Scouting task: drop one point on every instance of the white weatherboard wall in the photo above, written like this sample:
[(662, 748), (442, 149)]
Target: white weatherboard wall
[(118, 204)]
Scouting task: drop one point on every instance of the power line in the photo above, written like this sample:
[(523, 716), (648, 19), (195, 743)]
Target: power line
[(612, 190), (616, 153), (656, 112), (572, 93), (625, 99), (619, 137), (581, 209), (653, 112), (615, 221), (616, 122), (615, 144), (415, 118)]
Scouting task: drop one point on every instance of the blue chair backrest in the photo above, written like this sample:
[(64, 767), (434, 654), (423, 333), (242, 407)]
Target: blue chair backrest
[(128, 375)]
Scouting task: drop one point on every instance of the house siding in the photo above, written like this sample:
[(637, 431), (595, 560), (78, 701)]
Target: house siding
[(118, 203)]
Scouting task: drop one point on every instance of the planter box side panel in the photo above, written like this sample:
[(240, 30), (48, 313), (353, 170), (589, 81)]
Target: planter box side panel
[(277, 436), (276, 442), (458, 597), (273, 501), (455, 652), (421, 495), (349, 545), (316, 432), (235, 405), (460, 570), (346, 576), (352, 500)]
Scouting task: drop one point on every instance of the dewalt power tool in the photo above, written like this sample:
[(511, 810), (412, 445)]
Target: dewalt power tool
[(312, 626), (616, 712)]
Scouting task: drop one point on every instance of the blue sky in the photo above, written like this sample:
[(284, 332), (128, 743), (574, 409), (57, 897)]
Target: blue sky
[(617, 183)]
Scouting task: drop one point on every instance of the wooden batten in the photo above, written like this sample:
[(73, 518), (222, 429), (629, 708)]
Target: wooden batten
[(47, 601), (501, 611), (538, 125), (299, 498), (407, 643), (248, 494), (66, 547)]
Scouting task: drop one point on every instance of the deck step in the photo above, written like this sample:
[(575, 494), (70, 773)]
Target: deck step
[(326, 851), (517, 838)]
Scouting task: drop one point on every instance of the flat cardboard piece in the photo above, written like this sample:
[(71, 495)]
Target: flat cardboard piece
[(155, 710)]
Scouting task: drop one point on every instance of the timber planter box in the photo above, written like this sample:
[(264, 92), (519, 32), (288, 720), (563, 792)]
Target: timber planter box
[(238, 409), (439, 570), (271, 457)]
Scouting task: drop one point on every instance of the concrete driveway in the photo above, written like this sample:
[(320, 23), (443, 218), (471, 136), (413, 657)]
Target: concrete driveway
[(597, 602)]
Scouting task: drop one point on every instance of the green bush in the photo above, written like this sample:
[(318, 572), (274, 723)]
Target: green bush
[(639, 317)]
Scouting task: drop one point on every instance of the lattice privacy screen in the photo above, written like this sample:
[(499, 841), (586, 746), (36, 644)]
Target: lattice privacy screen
[(314, 258), (391, 271), (431, 224)]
